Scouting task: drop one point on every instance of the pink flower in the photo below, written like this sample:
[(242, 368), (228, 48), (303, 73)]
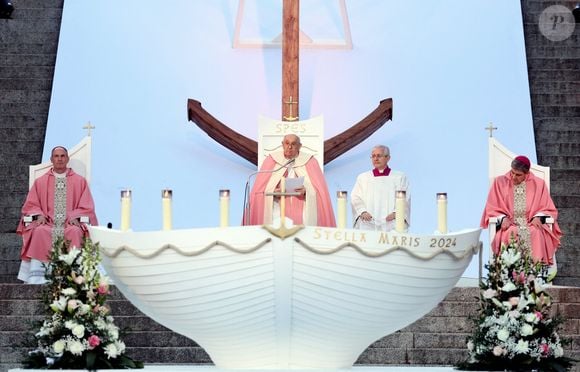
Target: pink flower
[(519, 278), (514, 301), (539, 315), (498, 351), (94, 341), (79, 280), (103, 288), (71, 305), (545, 348)]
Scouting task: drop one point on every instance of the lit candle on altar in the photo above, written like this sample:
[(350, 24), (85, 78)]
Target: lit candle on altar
[(341, 209), (400, 207), (442, 212), (282, 202), (224, 208), (125, 210), (166, 196)]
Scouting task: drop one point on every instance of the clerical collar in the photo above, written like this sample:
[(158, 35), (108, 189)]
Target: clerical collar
[(60, 175), (378, 173)]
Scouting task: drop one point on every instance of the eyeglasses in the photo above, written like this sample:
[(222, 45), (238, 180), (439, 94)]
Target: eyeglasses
[(378, 156)]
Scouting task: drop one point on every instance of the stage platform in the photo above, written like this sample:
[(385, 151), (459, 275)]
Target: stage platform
[(198, 368)]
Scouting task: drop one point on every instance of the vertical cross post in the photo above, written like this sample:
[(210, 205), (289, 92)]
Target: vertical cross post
[(290, 58)]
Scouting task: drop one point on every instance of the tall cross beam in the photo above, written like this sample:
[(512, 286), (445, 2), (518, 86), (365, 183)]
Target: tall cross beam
[(290, 59), (246, 147)]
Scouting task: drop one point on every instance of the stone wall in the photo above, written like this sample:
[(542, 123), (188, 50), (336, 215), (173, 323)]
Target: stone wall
[(554, 74)]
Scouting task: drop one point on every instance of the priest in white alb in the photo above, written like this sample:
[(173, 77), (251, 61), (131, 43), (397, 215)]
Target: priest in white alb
[(373, 195)]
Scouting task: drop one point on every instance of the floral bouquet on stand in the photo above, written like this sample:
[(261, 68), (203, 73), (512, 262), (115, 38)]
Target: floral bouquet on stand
[(514, 330), (79, 332)]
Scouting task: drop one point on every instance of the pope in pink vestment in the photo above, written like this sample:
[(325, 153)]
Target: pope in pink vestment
[(37, 238), (314, 208), (500, 202)]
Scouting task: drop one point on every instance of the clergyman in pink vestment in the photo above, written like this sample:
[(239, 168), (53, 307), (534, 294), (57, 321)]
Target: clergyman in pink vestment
[(312, 207), (519, 199), (56, 202)]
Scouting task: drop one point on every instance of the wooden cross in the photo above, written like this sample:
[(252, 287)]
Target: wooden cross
[(89, 127), (247, 147), (490, 128), (290, 57)]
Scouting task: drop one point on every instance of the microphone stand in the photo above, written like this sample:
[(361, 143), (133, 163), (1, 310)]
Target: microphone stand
[(246, 211)]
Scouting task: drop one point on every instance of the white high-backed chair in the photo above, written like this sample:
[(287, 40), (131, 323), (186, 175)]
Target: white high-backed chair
[(499, 162), (271, 133), (80, 162)]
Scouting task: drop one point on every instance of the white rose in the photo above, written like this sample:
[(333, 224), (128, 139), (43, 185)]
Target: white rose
[(503, 334), (58, 346), (526, 330), (508, 287), (558, 351), (489, 293), (75, 347), (70, 324), (78, 331), (84, 309), (531, 318)]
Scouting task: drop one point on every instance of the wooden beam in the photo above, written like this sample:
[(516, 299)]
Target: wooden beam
[(290, 59), (221, 133), (248, 148), (341, 143)]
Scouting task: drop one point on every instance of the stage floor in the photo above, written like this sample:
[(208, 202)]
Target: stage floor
[(199, 368)]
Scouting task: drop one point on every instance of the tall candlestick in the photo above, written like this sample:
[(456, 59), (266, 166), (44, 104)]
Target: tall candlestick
[(282, 202), (125, 210), (400, 207), (442, 212), (166, 196), (224, 208), (341, 209)]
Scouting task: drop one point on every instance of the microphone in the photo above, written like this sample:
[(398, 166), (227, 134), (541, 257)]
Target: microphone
[(246, 211)]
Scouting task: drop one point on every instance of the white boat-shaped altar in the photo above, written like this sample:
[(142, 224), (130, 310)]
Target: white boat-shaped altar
[(315, 299)]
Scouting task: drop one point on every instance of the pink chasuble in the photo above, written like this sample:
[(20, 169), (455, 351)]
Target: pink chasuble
[(260, 204), (37, 239), (500, 201)]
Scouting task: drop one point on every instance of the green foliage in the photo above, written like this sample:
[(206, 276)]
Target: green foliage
[(78, 332)]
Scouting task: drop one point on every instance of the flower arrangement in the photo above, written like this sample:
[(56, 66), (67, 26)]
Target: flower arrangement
[(514, 330), (79, 332)]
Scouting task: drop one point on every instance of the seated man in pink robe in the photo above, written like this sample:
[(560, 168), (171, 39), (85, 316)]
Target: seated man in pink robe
[(56, 202), (519, 199), (311, 207)]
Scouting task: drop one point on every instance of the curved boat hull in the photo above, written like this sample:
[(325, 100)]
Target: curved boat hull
[(315, 300)]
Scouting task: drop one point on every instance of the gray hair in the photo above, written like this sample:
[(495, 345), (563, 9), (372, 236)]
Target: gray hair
[(384, 149)]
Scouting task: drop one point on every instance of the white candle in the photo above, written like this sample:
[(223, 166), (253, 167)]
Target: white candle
[(442, 212), (224, 208), (400, 204), (341, 209), (166, 199), (125, 210)]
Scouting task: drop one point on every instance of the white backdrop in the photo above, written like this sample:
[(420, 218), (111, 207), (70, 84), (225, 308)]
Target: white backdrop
[(129, 67)]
